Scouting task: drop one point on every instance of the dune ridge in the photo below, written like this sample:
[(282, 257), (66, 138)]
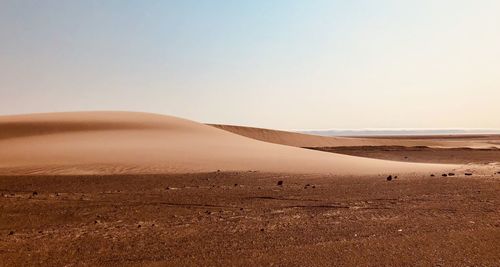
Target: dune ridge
[(130, 142)]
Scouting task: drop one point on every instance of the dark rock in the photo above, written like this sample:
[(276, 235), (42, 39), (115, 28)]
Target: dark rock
[(313, 186), (468, 174), (262, 229), (389, 178), (451, 174), (444, 175), (280, 183), (11, 232), (139, 226), (432, 175), (235, 184), (396, 177), (35, 193)]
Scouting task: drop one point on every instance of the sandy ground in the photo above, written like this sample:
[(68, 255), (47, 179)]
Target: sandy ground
[(457, 155), (246, 219), (136, 189)]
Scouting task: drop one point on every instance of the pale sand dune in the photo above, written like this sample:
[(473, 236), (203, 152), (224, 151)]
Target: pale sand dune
[(126, 142), (307, 140)]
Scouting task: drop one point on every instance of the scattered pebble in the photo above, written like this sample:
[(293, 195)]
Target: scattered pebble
[(451, 174), (444, 175), (389, 178), (139, 226), (280, 183), (235, 184), (468, 174), (432, 175), (35, 193), (11, 232)]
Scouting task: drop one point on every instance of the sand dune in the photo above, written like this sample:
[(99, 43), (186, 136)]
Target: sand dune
[(308, 140), (125, 142)]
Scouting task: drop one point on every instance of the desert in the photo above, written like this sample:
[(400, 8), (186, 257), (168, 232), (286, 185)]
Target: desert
[(249, 133), (128, 189)]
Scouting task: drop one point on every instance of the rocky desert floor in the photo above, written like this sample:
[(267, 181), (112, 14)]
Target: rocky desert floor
[(247, 219)]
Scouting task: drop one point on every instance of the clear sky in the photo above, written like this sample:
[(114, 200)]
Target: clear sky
[(277, 64)]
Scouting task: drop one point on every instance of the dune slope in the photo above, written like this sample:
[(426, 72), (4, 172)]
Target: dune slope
[(126, 142), (308, 140)]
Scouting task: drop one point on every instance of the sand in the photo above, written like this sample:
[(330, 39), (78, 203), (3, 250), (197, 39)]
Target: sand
[(245, 219), (132, 143), (307, 140), (138, 189)]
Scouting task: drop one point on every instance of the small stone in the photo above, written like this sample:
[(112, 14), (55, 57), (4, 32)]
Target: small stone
[(432, 175), (444, 175), (313, 186), (35, 193), (235, 184), (468, 174), (11, 232), (280, 183), (389, 178), (262, 229), (451, 174), (139, 226)]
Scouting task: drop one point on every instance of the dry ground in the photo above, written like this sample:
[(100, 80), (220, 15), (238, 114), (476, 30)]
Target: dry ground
[(423, 154), (246, 219)]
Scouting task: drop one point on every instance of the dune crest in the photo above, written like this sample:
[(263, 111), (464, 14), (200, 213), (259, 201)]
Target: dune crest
[(128, 142)]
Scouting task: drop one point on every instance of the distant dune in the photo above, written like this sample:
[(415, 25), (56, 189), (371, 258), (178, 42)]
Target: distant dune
[(310, 140), (126, 142)]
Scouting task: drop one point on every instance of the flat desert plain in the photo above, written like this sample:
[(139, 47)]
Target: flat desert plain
[(138, 189)]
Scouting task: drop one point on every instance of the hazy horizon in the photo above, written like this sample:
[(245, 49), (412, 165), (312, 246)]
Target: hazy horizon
[(270, 64)]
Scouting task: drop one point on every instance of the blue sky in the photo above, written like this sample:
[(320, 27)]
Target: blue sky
[(277, 64)]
